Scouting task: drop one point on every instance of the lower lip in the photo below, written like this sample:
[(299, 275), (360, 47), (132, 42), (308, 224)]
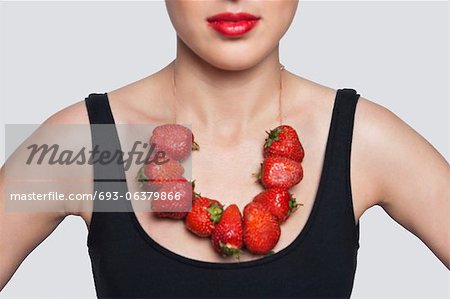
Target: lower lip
[(238, 28)]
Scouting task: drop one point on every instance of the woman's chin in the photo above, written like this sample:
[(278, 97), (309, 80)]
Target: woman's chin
[(232, 61)]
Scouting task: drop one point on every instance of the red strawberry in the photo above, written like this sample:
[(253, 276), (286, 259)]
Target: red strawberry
[(152, 176), (283, 141), (227, 238), (280, 172), (204, 214), (279, 201), (174, 200), (175, 140), (261, 229)]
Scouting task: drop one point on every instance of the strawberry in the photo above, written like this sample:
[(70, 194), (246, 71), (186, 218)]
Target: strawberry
[(152, 176), (280, 172), (227, 238), (261, 229), (279, 201), (204, 214), (175, 140), (283, 141), (174, 200)]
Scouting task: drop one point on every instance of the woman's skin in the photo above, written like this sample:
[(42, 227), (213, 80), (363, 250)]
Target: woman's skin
[(234, 101)]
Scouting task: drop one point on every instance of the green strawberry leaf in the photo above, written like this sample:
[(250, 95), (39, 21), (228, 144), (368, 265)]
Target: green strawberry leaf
[(141, 177), (269, 253), (258, 175), (272, 136), (216, 212), (229, 250)]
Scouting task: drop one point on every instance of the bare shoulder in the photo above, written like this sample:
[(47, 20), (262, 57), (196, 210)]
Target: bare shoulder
[(75, 113), (391, 151), (389, 159), (408, 175), (371, 126), (385, 149), (72, 139)]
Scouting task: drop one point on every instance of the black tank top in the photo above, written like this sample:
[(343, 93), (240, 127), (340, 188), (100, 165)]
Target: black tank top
[(320, 262)]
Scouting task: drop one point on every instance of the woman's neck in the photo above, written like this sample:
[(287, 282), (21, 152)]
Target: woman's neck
[(214, 97)]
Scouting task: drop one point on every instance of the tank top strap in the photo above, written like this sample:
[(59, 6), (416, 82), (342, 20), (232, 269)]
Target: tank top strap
[(109, 177), (336, 206), (342, 133), (99, 111)]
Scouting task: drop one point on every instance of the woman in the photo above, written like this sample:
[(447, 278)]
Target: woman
[(318, 244)]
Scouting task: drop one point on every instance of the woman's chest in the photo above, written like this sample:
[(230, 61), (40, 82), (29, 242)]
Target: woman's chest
[(227, 172)]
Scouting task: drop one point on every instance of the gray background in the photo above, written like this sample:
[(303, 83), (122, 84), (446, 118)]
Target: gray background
[(393, 53)]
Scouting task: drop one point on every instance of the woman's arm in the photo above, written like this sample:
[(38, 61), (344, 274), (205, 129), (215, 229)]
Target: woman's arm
[(412, 177), (21, 232)]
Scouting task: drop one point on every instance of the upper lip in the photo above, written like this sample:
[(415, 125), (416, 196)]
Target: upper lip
[(229, 16)]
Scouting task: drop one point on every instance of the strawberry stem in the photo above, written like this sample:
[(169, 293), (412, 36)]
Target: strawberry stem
[(193, 184), (195, 146)]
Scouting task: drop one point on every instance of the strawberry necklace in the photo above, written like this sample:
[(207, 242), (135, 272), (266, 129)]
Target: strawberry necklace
[(257, 229)]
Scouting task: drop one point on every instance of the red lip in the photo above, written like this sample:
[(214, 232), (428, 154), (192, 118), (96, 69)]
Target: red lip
[(233, 24)]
